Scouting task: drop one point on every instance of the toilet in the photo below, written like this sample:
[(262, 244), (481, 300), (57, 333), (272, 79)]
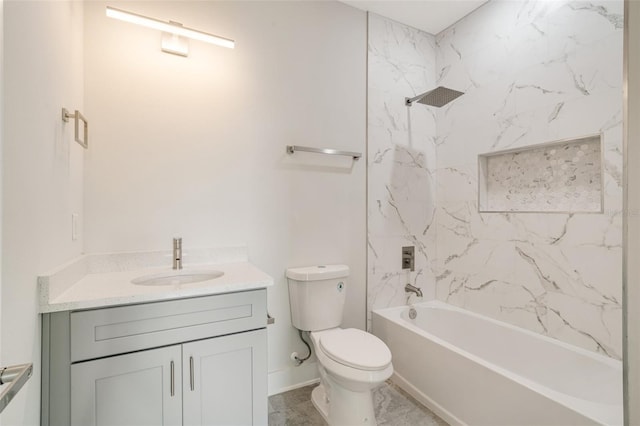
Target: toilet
[(351, 362)]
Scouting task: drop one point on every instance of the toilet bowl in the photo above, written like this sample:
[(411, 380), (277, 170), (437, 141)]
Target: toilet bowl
[(354, 358), (351, 362)]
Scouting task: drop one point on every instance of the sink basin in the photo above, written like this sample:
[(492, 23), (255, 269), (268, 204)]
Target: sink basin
[(178, 277)]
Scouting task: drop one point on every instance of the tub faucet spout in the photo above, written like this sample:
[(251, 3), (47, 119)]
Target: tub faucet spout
[(413, 289), (177, 253)]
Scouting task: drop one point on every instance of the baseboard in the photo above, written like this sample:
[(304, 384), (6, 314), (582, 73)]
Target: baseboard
[(293, 377), (444, 414)]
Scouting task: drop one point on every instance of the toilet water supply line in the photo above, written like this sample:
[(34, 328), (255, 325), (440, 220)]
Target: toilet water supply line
[(295, 357)]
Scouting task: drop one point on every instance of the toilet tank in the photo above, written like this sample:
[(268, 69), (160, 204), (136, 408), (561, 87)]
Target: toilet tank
[(317, 295)]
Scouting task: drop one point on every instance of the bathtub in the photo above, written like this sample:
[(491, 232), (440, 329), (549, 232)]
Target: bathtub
[(473, 370)]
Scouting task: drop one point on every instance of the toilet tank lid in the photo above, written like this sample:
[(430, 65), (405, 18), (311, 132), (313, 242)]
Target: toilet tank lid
[(318, 272)]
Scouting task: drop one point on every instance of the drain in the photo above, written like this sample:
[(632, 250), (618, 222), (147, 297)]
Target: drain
[(413, 313)]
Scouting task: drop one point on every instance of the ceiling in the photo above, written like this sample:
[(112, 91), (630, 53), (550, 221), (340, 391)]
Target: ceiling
[(431, 16)]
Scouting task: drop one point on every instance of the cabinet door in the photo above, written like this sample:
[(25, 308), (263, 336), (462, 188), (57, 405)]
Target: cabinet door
[(225, 380), (142, 388)]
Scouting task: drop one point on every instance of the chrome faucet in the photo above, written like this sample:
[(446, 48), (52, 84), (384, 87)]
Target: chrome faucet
[(413, 289), (177, 253)]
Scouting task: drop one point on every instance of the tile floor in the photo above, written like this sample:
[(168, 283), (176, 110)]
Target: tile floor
[(393, 407)]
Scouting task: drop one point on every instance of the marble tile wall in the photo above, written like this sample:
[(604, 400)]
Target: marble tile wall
[(533, 71), (401, 154)]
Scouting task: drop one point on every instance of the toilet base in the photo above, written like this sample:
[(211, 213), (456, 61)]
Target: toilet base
[(345, 408), (319, 400)]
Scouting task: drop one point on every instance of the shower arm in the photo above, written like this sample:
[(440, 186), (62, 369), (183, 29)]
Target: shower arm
[(410, 101)]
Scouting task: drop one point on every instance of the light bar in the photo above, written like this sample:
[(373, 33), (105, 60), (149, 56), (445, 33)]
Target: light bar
[(168, 27)]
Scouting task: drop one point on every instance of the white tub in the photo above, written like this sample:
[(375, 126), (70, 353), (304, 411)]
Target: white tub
[(470, 369)]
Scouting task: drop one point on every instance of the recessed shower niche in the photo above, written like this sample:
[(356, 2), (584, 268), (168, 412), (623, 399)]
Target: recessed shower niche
[(562, 177)]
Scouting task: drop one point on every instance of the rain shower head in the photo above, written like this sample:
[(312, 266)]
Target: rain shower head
[(438, 97)]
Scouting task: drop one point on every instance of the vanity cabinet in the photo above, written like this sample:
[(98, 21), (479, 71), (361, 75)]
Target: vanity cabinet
[(218, 380), (197, 361), (131, 389)]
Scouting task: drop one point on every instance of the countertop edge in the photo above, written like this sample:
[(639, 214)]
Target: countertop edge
[(150, 298)]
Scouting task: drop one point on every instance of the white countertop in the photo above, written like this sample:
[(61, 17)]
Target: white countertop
[(75, 286)]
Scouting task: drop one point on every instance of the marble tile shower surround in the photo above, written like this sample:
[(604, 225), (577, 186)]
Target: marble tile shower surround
[(563, 177), (401, 161), (532, 71)]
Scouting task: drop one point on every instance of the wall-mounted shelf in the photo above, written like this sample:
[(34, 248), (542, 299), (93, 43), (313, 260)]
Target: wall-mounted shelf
[(556, 177), (293, 148)]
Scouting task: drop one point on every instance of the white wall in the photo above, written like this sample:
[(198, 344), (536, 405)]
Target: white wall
[(533, 72), (401, 177), (42, 173), (1, 149), (195, 146)]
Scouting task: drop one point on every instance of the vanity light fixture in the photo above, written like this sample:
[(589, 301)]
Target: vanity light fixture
[(172, 40)]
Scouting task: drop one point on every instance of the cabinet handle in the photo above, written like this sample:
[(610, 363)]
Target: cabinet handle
[(191, 372), (173, 380)]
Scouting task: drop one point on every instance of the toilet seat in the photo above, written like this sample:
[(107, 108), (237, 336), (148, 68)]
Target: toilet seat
[(355, 348)]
